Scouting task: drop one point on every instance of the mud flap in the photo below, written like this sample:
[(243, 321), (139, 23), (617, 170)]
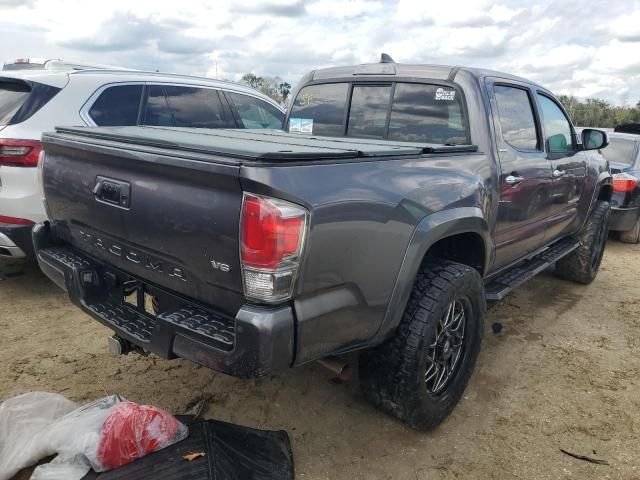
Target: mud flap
[(232, 452)]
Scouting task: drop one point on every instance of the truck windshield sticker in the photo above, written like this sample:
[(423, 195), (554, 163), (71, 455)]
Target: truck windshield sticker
[(442, 94), (300, 125)]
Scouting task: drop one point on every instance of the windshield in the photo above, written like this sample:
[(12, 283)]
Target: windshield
[(620, 151), (407, 112)]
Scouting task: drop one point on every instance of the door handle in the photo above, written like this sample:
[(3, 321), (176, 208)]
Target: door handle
[(558, 173), (513, 179)]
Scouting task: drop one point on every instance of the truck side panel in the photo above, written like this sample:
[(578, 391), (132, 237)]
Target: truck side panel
[(363, 216)]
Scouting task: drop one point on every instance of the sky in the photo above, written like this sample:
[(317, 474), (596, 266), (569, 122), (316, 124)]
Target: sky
[(584, 48)]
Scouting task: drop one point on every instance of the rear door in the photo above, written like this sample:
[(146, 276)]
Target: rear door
[(569, 168), (525, 177)]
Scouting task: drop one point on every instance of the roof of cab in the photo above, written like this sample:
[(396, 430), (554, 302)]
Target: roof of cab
[(432, 72)]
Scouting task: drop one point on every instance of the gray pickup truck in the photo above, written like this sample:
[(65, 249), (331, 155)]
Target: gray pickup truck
[(401, 199)]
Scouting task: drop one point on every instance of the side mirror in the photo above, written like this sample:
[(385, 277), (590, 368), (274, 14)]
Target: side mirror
[(593, 139)]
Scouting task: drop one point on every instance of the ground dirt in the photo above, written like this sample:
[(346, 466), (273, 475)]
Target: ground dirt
[(562, 373)]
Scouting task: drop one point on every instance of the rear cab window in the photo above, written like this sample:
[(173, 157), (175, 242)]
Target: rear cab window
[(401, 111), (19, 100)]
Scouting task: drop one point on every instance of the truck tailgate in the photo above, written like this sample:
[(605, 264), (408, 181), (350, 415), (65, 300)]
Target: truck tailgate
[(171, 221)]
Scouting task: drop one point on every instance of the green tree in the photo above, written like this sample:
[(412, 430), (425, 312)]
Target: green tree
[(284, 89), (252, 80), (596, 112)]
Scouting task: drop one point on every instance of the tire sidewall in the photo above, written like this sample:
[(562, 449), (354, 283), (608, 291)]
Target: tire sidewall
[(600, 228), (469, 291)]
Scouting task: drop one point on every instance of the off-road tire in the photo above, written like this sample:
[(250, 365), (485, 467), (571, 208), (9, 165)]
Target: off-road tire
[(583, 263), (392, 375), (631, 236)]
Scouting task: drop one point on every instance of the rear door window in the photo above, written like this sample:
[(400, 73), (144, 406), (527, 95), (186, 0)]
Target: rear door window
[(320, 109), (368, 113), (117, 106), (256, 113), (19, 100), (198, 107), (517, 120), (157, 109), (427, 113)]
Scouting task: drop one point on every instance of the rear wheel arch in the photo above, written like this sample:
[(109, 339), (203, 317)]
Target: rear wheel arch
[(439, 235)]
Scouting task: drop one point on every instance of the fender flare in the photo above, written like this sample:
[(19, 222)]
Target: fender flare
[(428, 231), (604, 179)]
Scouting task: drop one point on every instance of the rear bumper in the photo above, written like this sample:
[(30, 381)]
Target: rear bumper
[(15, 242), (623, 219), (257, 342)]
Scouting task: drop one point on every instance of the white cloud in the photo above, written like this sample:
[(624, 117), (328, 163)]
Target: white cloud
[(570, 48)]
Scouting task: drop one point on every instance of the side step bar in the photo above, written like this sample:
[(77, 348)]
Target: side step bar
[(500, 286)]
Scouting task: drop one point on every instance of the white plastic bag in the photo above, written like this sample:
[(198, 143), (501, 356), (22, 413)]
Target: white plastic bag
[(23, 421), (63, 469), (105, 434)]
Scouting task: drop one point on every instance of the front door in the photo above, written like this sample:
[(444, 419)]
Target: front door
[(569, 168), (525, 178)]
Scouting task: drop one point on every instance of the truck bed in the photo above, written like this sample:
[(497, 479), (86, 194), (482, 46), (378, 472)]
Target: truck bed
[(231, 146)]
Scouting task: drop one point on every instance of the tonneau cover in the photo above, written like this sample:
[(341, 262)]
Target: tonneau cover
[(272, 145)]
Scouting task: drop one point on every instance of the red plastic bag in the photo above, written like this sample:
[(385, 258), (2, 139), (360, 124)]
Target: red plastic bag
[(132, 431)]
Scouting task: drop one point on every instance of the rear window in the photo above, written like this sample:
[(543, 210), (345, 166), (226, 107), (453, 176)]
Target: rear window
[(320, 109), (368, 113), (19, 100), (408, 112), (117, 106), (620, 151), (427, 113)]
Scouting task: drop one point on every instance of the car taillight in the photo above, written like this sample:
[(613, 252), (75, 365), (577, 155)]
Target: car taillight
[(19, 153), (623, 182), (15, 221), (272, 236)]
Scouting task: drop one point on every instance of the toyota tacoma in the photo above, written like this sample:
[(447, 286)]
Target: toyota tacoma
[(397, 203)]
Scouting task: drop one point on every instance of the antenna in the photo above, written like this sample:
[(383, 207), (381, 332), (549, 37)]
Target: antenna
[(386, 58)]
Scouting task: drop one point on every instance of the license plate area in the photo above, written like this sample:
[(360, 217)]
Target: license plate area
[(137, 296)]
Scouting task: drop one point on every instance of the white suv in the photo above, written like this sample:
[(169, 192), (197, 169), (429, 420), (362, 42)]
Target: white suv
[(35, 100)]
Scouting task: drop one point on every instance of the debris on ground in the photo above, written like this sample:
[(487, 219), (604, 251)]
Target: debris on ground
[(585, 458), (496, 327), (190, 457)]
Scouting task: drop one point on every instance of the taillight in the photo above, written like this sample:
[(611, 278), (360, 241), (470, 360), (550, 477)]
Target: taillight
[(14, 220), (272, 235), (19, 153), (623, 182)]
